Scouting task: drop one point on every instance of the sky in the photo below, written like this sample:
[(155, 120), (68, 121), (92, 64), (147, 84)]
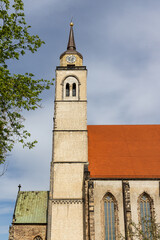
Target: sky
[(120, 44)]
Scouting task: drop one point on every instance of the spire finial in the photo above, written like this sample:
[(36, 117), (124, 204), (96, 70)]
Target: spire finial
[(71, 47), (19, 187), (71, 23), (71, 42)]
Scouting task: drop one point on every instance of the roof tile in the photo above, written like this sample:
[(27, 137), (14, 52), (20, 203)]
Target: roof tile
[(124, 151)]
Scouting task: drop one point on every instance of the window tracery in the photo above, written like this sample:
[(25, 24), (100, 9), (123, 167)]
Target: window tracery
[(110, 217), (146, 216), (37, 238)]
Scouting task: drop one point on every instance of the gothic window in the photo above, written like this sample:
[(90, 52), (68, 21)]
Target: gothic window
[(146, 215), (37, 238), (67, 90), (74, 90), (110, 217)]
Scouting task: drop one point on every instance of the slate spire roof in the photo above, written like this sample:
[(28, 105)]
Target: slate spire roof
[(71, 47), (71, 42)]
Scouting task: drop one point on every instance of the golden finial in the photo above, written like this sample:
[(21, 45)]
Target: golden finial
[(71, 23)]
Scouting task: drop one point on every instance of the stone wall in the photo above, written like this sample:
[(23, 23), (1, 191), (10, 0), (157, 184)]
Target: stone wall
[(101, 188), (91, 210), (27, 232), (68, 181), (127, 194), (70, 154), (80, 75), (68, 142), (67, 219), (70, 116), (152, 189)]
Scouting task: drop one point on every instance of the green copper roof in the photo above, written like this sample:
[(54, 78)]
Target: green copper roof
[(31, 207)]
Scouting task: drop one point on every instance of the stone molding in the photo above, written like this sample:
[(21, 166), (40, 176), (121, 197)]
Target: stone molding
[(67, 201), (127, 208), (70, 75), (91, 210), (71, 68), (86, 205), (126, 187)]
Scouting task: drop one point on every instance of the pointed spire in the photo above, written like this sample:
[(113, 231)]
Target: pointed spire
[(71, 47), (71, 42)]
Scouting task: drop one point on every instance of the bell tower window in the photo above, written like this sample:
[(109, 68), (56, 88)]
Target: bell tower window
[(70, 88), (74, 90), (67, 90)]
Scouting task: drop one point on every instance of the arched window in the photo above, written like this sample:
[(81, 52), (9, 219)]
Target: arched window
[(146, 215), (67, 90), (74, 90), (110, 217), (37, 238), (70, 88)]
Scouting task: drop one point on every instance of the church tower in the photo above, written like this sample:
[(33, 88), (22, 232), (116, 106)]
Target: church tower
[(70, 147)]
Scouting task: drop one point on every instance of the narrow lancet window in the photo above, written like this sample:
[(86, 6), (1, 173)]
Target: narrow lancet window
[(67, 90), (74, 90), (37, 238), (146, 217), (109, 212)]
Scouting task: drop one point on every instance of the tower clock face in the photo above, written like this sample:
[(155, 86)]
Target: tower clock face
[(71, 58)]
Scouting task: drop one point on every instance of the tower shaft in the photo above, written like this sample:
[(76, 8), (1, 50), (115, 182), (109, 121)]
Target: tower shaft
[(70, 152)]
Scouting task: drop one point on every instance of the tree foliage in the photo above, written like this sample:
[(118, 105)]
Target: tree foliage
[(147, 229), (18, 92)]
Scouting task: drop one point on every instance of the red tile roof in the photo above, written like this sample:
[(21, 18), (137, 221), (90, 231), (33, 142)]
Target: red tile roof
[(124, 151)]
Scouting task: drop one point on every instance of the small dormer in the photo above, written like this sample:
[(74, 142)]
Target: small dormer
[(71, 57)]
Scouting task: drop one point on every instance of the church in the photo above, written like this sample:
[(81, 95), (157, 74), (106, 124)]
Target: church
[(102, 177)]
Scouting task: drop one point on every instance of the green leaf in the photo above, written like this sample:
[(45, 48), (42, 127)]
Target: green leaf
[(18, 92)]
